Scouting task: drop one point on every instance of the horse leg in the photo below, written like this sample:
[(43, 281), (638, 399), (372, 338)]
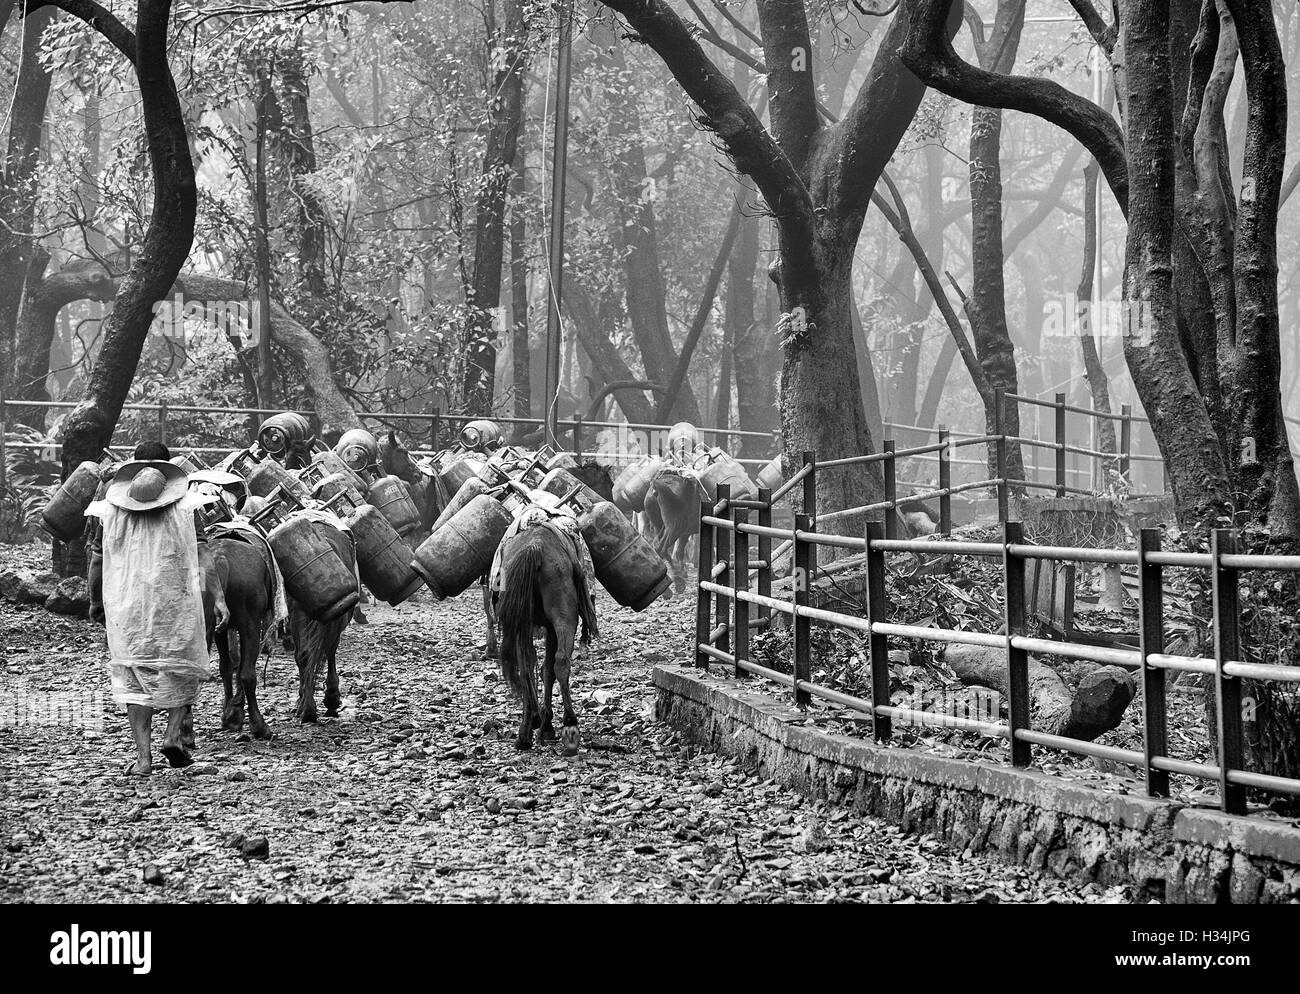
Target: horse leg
[(250, 645), (679, 564), (530, 718), (559, 660), (232, 715), (489, 612), (547, 733), (332, 696), (187, 727)]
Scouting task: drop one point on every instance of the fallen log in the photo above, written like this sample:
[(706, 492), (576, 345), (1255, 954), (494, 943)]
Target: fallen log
[(1094, 709)]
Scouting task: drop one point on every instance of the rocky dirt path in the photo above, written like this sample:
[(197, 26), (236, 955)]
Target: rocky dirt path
[(416, 792)]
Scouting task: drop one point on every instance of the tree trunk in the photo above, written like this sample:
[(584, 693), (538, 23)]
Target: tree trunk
[(89, 427), (593, 334), (521, 383), (1098, 384), (265, 378), (18, 183), (988, 311), (637, 238), (1096, 708), (1264, 474), (678, 380), (308, 215), (506, 116), (42, 301), (754, 344), (1155, 355)]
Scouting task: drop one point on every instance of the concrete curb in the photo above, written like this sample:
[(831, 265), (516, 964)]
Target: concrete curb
[(1169, 851)]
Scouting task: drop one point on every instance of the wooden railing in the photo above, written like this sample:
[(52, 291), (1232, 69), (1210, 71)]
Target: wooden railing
[(734, 598)]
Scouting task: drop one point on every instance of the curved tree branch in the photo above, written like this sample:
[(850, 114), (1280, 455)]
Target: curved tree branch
[(100, 18), (725, 113), (929, 53)]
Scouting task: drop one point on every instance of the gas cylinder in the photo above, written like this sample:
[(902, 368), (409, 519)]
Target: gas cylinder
[(471, 489), (458, 468), (632, 484), (189, 462), (393, 499), (329, 462), (335, 483), (64, 516), (269, 474), (724, 469), (561, 483), (625, 563), (770, 477), (281, 432), (482, 435), (383, 558), (319, 579), (461, 550), (683, 439)]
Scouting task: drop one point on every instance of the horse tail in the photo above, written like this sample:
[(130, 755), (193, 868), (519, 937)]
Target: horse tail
[(586, 606), (515, 613)]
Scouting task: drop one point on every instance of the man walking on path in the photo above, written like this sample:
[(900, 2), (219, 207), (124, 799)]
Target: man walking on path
[(150, 589)]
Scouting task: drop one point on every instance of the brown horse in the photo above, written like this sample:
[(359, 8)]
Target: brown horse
[(237, 591), (316, 642), (672, 518), (427, 492), (542, 585)]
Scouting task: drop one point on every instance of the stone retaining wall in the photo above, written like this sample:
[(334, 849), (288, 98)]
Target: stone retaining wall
[(1168, 850)]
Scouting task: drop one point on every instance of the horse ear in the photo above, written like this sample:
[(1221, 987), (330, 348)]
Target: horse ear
[(392, 438)]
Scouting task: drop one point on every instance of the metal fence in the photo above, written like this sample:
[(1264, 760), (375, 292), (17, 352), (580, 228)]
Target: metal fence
[(434, 430), (734, 598)]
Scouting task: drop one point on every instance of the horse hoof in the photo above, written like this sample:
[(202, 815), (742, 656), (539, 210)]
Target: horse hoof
[(547, 734), (523, 744), (262, 732), (307, 717), (569, 740)]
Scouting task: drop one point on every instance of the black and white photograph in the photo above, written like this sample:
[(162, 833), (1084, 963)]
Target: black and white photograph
[(649, 452)]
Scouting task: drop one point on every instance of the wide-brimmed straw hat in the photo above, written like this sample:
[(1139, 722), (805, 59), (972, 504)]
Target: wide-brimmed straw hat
[(146, 486)]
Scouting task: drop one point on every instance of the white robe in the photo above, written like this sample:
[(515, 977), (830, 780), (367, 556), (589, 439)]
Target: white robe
[(153, 604)]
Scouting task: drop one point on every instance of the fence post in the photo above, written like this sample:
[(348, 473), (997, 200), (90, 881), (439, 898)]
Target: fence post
[(1227, 689), (703, 619), (1059, 409), (721, 559), (577, 436), (1013, 578), (877, 642), (891, 488), (765, 555), (805, 564), (1151, 629), (1125, 439), (435, 428), (1000, 445), (162, 422), (740, 585), (809, 459), (945, 482)]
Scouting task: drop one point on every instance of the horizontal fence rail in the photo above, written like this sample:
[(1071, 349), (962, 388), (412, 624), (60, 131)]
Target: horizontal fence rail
[(734, 598), (941, 457)]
